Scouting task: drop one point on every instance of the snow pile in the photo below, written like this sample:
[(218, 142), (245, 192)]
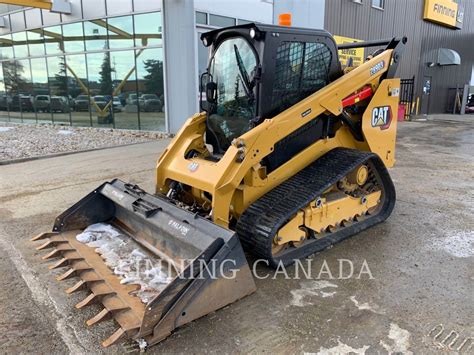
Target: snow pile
[(128, 260), (457, 243), (65, 132)]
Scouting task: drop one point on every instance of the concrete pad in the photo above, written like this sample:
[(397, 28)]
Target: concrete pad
[(418, 291)]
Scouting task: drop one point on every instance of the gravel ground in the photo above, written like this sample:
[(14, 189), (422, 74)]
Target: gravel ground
[(26, 140)]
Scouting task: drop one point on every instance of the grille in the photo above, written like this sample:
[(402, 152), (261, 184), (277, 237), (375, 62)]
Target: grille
[(301, 69)]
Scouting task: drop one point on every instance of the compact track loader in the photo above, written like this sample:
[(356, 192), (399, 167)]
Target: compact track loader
[(288, 157)]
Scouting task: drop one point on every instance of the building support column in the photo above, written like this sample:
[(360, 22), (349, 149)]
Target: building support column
[(180, 74)]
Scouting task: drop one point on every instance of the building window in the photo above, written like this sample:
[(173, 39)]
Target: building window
[(243, 22), (54, 40), (148, 29), (201, 18), (113, 85), (6, 47), (20, 44), (120, 32), (221, 21), (73, 37), (379, 4), (95, 35)]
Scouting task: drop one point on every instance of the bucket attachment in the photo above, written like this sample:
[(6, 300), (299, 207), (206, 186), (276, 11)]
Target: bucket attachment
[(205, 263)]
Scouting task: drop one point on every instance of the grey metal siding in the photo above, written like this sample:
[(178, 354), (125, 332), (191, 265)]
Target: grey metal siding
[(405, 18)]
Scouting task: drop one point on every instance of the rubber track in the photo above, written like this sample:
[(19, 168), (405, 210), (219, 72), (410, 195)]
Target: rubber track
[(261, 221)]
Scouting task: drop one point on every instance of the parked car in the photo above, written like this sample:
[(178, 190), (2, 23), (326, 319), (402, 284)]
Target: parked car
[(60, 104), (117, 104), (123, 99), (132, 99), (14, 104), (27, 103), (100, 101), (4, 102), (81, 103), (42, 103), (150, 103)]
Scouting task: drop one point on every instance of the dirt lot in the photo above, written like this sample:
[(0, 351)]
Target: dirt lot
[(421, 260)]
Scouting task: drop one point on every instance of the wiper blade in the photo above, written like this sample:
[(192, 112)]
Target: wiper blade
[(243, 73)]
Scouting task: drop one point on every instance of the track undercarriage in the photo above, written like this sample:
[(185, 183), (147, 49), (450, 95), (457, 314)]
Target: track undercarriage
[(341, 194)]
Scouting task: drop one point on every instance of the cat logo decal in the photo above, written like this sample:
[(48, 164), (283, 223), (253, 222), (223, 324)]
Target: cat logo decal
[(381, 117)]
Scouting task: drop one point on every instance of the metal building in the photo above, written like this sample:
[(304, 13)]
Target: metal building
[(439, 53), (135, 64)]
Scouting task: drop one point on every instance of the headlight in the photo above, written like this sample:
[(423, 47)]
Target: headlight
[(205, 42), (253, 33)]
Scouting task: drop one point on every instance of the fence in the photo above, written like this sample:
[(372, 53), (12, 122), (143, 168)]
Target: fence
[(407, 89)]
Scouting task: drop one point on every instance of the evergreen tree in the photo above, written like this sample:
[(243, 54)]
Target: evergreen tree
[(154, 78), (60, 79), (12, 76), (106, 87)]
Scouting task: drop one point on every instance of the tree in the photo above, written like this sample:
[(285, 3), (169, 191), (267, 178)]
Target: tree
[(106, 87), (154, 78), (12, 76), (59, 85)]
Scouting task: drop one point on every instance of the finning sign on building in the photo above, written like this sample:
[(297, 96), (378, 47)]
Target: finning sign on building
[(444, 12)]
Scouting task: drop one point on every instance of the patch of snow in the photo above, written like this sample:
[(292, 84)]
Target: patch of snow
[(5, 129), (65, 132), (366, 307), (128, 260), (459, 244), (401, 340), (311, 288), (342, 348), (327, 294)]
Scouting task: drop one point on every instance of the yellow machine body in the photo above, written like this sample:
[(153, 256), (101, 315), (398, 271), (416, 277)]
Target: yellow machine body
[(235, 184), (297, 181)]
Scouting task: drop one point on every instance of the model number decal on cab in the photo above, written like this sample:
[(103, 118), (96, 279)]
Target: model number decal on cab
[(381, 117), (377, 67)]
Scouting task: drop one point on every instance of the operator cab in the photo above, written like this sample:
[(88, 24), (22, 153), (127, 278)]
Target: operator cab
[(257, 71)]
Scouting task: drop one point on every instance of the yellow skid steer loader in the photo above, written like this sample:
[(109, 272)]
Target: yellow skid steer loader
[(288, 157)]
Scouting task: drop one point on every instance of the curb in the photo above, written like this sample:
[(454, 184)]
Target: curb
[(55, 155)]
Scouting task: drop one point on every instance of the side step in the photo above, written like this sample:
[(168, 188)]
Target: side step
[(211, 269)]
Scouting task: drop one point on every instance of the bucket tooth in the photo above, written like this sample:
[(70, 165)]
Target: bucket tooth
[(99, 317), (42, 236), (52, 254), (78, 286), (60, 263), (62, 247), (113, 338), (52, 243), (66, 275), (86, 301)]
